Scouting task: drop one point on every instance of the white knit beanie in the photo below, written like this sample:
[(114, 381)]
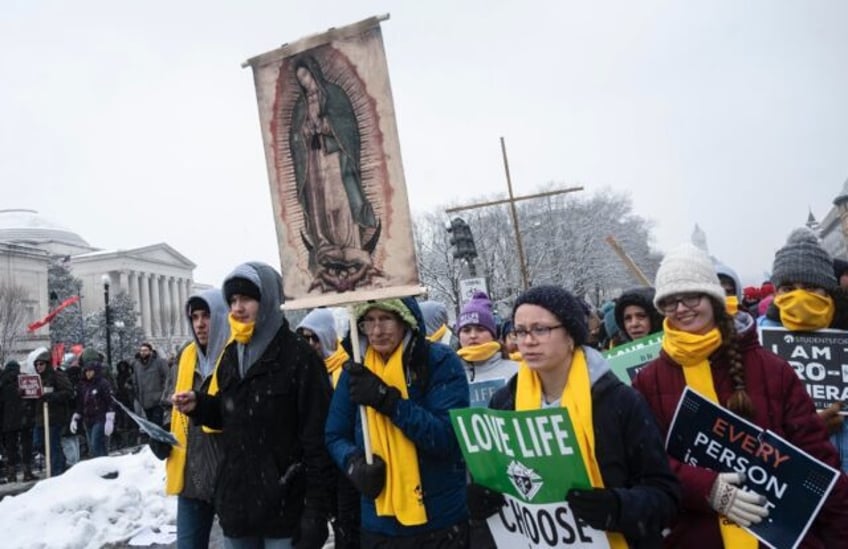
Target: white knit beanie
[(686, 270)]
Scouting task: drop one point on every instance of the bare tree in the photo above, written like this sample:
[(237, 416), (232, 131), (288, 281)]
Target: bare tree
[(13, 316)]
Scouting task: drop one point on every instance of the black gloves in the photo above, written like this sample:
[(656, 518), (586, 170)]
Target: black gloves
[(482, 502), (312, 532), (368, 479), (160, 449), (600, 508), (369, 390)]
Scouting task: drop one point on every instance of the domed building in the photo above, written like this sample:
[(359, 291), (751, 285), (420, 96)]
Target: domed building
[(157, 277)]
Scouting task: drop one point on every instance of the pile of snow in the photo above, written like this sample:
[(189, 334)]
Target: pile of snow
[(82, 509)]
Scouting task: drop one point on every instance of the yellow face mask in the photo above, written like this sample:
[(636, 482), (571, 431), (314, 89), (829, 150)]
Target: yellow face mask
[(240, 331), (731, 303), (804, 311)]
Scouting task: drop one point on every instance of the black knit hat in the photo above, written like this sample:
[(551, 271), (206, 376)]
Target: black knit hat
[(803, 259), (196, 303), (562, 304), (242, 286)]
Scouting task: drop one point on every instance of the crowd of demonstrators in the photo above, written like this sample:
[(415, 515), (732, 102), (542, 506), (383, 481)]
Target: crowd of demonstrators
[(191, 466), (18, 420), (635, 315), (719, 355), (413, 490), (94, 406), (634, 495), (269, 397), (150, 377)]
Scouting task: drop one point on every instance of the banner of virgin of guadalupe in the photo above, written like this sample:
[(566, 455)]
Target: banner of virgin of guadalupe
[(337, 186)]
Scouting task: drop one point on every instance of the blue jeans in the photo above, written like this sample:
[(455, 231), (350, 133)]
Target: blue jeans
[(57, 456), (258, 543), (96, 439), (194, 522)]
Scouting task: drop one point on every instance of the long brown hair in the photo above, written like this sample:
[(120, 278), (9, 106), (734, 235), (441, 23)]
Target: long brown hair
[(739, 402)]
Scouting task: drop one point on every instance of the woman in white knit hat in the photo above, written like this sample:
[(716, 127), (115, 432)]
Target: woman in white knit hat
[(720, 357)]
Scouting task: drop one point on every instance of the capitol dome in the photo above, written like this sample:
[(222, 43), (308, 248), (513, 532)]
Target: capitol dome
[(28, 227)]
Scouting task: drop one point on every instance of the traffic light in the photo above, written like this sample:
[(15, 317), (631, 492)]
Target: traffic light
[(462, 239)]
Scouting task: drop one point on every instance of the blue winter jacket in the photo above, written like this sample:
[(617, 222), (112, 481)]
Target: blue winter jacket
[(436, 384)]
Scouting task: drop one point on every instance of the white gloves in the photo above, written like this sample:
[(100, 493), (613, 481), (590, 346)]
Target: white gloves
[(110, 423), (743, 508), (74, 422)]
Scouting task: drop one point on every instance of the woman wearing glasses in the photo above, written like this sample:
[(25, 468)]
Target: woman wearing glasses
[(720, 357), (634, 494), (413, 493)]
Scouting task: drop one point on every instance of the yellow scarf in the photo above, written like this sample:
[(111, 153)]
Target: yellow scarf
[(438, 334), (402, 496), (577, 399), (334, 363), (479, 353), (692, 352), (175, 464), (240, 331), (516, 356), (731, 303), (805, 311)]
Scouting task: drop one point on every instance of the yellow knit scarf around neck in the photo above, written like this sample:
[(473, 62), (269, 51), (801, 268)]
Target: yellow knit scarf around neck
[(479, 353), (402, 496), (692, 352), (577, 399), (175, 464), (334, 363), (731, 303), (240, 331), (437, 336)]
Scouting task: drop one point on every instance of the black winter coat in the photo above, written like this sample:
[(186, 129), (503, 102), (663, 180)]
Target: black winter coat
[(272, 419), (59, 399), (13, 409), (631, 456)]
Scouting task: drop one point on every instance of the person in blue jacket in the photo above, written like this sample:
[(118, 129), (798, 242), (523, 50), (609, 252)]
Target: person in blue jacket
[(413, 493)]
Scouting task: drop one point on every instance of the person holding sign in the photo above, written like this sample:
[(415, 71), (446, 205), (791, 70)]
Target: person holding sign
[(269, 397), (57, 393), (413, 491), (720, 357), (634, 495)]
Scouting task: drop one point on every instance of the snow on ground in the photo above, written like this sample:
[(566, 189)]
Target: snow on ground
[(81, 509)]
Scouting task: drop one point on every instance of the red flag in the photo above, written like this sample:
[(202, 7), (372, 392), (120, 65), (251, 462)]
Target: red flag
[(52, 314), (58, 354)]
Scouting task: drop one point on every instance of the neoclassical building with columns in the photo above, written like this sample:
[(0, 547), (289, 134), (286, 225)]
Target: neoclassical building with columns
[(157, 277)]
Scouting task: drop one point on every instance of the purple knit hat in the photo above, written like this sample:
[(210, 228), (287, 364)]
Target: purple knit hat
[(478, 311)]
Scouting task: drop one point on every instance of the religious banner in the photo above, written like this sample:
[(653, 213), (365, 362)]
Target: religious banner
[(337, 186), (626, 360), (794, 483), (819, 358), (532, 458), (29, 386)]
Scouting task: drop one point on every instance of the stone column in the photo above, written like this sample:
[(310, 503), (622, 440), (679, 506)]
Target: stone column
[(123, 282), (135, 291), (156, 306), (168, 306), (183, 297), (144, 304)]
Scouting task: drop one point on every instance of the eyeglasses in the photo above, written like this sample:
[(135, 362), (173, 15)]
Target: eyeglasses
[(538, 332), (669, 304), (368, 325)]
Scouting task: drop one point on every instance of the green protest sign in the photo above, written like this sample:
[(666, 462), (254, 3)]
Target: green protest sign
[(533, 456), (626, 360)]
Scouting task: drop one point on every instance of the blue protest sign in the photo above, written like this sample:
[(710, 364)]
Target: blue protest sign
[(794, 483), (481, 391)]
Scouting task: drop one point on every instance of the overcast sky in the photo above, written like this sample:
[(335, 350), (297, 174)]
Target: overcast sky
[(132, 123)]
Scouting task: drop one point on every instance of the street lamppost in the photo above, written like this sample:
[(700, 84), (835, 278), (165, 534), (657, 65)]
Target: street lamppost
[(106, 280), (119, 324)]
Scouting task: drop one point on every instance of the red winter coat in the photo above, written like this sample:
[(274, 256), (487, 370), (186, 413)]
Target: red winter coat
[(780, 404)]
